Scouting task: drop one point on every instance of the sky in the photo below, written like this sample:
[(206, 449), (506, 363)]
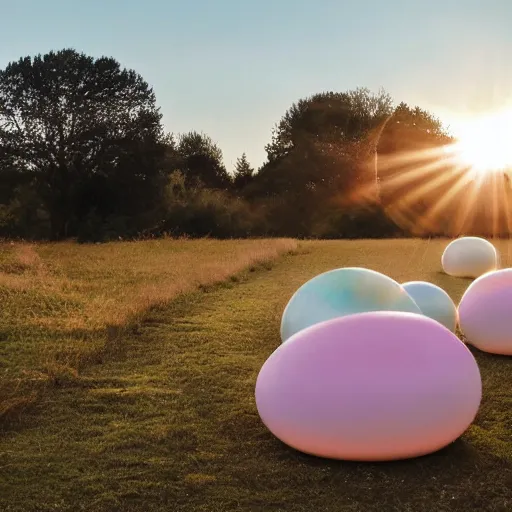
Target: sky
[(231, 68)]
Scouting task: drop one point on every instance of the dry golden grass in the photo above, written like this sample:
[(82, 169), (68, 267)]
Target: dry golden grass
[(62, 304)]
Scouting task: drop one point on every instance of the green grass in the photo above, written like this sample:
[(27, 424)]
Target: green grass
[(168, 421)]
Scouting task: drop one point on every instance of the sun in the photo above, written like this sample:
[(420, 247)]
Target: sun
[(484, 144)]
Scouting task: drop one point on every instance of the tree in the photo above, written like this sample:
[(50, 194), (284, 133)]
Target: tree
[(201, 161), (411, 128), (329, 131), (413, 170), (330, 117), (85, 131), (317, 158), (243, 172)]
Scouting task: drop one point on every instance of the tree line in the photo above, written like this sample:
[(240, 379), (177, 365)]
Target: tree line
[(83, 154)]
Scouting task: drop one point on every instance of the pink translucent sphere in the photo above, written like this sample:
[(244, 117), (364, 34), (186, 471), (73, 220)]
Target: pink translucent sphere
[(370, 386), (485, 312)]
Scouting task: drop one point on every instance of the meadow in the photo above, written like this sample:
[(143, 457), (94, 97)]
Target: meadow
[(127, 375), (64, 305)]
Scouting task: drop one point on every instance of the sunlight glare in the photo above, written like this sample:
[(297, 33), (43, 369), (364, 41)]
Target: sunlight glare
[(485, 143)]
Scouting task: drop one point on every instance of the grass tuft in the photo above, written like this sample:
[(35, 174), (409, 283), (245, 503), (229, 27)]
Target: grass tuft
[(11, 408)]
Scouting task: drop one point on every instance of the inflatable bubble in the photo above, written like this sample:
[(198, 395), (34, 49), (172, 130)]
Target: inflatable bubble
[(370, 387), (469, 256), (485, 314), (342, 292), (434, 302)]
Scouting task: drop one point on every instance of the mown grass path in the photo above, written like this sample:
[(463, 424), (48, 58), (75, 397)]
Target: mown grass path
[(169, 423)]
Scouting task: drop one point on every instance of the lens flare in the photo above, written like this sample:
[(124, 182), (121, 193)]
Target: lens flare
[(484, 144), (459, 188)]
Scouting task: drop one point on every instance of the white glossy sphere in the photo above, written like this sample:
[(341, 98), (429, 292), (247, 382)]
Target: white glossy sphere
[(341, 292), (469, 256), (372, 386), (434, 302), (485, 312)]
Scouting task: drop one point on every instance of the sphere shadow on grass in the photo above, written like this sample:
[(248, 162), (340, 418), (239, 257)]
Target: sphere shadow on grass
[(453, 478), (447, 276), (482, 357), (460, 452)]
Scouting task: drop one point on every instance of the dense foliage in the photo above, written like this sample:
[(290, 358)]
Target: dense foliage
[(83, 154)]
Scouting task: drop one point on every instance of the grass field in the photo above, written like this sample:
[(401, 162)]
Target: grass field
[(166, 419), (64, 306)]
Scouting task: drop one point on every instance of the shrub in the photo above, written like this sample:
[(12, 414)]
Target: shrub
[(199, 211), (368, 221)]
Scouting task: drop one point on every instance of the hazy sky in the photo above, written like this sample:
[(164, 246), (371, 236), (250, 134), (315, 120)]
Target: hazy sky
[(231, 68)]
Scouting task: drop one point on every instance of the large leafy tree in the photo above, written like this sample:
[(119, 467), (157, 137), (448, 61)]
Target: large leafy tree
[(411, 129), (201, 160), (328, 133), (414, 171), (86, 131), (332, 117), (317, 157)]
